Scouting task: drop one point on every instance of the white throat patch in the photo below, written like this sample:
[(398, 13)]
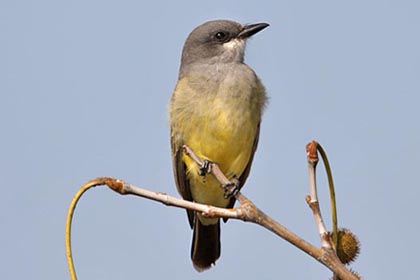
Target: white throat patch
[(234, 44)]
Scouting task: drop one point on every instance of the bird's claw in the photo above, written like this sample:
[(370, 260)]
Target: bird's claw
[(231, 189), (205, 168)]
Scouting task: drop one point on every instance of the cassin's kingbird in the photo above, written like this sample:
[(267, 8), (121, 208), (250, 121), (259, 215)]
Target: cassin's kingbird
[(216, 110)]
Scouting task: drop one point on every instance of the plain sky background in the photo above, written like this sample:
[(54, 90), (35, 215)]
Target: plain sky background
[(84, 91)]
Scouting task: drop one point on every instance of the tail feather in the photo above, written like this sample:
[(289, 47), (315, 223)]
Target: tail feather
[(205, 249)]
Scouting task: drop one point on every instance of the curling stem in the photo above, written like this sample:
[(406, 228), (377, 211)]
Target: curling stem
[(332, 194)]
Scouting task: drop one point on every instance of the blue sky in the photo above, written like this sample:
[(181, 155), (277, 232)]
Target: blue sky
[(84, 91)]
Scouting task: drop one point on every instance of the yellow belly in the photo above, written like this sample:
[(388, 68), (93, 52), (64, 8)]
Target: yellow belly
[(224, 134)]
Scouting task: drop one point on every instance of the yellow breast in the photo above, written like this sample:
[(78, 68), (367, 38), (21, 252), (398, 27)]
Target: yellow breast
[(219, 123)]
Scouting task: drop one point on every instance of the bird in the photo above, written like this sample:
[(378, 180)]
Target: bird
[(215, 110)]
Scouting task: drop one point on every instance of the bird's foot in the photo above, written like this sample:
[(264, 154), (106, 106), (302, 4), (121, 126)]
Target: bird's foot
[(205, 168), (231, 189)]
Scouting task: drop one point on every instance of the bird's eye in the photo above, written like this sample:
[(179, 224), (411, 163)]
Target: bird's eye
[(221, 36)]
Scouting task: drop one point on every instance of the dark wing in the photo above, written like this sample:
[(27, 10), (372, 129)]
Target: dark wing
[(245, 174), (180, 173)]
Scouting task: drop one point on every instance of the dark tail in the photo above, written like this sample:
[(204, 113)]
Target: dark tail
[(205, 249)]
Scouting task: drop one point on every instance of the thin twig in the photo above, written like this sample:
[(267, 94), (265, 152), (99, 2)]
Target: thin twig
[(312, 199)]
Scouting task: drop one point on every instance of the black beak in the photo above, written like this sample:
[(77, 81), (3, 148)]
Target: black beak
[(251, 29)]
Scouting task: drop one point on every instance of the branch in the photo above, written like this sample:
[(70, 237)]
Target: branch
[(325, 255), (246, 212)]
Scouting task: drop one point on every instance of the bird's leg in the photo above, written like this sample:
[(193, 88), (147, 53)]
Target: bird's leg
[(232, 188)]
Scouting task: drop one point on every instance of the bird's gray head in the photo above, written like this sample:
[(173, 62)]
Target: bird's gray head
[(218, 41)]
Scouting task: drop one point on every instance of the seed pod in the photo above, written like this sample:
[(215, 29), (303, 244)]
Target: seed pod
[(348, 246)]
